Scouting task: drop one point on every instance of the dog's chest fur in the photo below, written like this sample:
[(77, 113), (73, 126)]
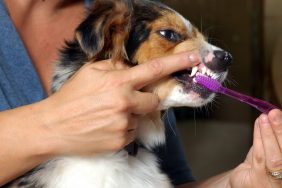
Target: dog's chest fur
[(107, 171), (113, 170)]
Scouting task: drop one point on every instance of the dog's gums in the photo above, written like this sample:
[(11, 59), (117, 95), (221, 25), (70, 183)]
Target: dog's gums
[(187, 79)]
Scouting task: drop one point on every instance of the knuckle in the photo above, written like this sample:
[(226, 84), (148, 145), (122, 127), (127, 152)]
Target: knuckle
[(278, 131), (113, 79), (275, 163), (117, 79), (155, 67), (123, 102), (123, 105), (259, 159), (87, 68)]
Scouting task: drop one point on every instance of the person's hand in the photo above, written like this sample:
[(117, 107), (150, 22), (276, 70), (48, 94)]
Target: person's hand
[(264, 156), (95, 111)]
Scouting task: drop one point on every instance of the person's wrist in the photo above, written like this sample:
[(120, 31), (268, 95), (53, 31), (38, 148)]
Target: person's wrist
[(48, 144)]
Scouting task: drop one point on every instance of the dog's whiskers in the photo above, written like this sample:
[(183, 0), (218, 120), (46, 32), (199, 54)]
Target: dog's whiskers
[(165, 115), (195, 124)]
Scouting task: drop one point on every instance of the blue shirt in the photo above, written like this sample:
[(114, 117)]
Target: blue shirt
[(20, 85)]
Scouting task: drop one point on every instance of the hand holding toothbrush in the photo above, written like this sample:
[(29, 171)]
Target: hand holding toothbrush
[(263, 165)]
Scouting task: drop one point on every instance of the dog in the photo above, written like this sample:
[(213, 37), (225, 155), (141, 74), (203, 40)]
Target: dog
[(134, 32)]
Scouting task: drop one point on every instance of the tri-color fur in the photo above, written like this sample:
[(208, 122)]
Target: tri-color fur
[(133, 31)]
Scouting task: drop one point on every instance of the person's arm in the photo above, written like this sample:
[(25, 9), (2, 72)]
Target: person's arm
[(24, 141), (219, 181), (82, 114)]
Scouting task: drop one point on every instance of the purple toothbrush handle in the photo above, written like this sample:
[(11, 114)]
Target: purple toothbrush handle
[(261, 105)]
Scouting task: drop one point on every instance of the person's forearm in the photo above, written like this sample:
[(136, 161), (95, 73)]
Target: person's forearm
[(219, 181), (24, 141)]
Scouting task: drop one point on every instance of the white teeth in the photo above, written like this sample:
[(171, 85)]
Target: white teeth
[(194, 71), (204, 69)]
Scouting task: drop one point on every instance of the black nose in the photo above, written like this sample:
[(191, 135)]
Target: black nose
[(220, 62), (223, 57)]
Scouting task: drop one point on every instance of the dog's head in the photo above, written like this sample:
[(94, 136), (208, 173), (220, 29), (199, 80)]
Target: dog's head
[(136, 31)]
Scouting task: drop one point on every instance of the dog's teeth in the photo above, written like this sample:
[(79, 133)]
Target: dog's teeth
[(194, 71), (204, 69), (208, 72), (214, 76)]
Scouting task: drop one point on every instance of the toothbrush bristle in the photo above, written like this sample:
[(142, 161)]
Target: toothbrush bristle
[(209, 83)]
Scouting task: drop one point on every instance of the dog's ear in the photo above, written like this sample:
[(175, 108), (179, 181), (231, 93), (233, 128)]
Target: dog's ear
[(104, 32)]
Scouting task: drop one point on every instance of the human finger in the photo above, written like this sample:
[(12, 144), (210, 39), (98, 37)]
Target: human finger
[(146, 73), (107, 65), (272, 151), (133, 123), (144, 102), (271, 147), (275, 118), (258, 155)]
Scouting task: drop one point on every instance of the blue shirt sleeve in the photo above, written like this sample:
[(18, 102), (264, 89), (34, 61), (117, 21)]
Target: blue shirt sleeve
[(171, 155)]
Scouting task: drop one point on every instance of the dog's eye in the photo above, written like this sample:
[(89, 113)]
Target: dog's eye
[(170, 35)]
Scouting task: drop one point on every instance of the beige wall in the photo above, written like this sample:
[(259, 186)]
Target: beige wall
[(273, 38), (272, 25)]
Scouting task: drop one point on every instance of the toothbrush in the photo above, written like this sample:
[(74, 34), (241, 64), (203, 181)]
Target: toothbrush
[(214, 86)]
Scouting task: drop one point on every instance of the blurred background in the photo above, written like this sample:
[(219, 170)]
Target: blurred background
[(217, 138)]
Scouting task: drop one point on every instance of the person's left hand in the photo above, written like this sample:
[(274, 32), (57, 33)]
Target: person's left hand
[(265, 155)]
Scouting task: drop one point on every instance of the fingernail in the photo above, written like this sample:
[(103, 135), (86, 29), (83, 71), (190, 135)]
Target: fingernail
[(194, 58), (264, 120), (276, 117)]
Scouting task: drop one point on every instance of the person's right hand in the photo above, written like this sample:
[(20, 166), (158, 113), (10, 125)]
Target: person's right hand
[(95, 111)]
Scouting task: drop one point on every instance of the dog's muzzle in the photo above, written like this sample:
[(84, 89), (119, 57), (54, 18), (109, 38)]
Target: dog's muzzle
[(219, 60)]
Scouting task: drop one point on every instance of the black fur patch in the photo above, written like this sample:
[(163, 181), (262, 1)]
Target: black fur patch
[(72, 55), (145, 12)]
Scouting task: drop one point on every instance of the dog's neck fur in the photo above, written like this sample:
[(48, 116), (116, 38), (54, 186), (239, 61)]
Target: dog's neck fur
[(151, 131)]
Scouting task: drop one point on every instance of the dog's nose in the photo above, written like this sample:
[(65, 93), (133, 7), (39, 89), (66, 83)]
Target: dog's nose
[(224, 58), (218, 61)]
